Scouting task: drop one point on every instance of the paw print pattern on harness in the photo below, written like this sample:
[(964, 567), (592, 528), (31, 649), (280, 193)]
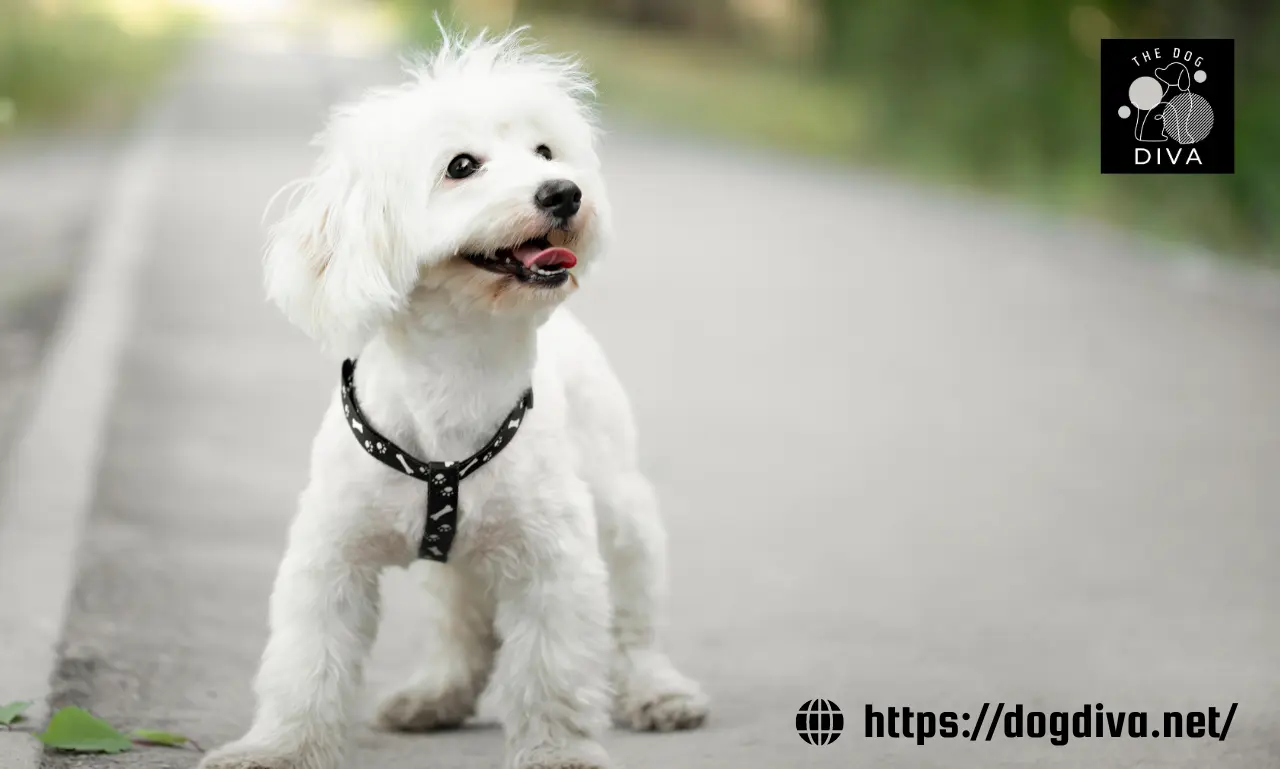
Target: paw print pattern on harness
[(443, 477)]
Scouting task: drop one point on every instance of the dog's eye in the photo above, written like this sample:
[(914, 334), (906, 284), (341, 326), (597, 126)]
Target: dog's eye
[(544, 151), (462, 166)]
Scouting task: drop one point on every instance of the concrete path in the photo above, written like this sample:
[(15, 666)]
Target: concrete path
[(49, 190), (914, 450)]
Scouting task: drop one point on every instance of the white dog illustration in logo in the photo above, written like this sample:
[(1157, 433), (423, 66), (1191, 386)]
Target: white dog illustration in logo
[(1167, 109)]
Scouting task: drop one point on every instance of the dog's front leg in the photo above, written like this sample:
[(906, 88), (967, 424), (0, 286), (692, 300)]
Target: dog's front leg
[(324, 616), (652, 694), (552, 668)]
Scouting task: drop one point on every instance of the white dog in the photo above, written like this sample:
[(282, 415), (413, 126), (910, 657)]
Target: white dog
[(443, 224)]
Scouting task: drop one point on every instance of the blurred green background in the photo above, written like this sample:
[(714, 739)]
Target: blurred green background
[(1000, 95), (84, 62)]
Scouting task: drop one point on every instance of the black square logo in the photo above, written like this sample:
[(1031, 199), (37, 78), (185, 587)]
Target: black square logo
[(1168, 106)]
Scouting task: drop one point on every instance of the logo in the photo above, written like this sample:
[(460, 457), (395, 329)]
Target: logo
[(819, 722), (1168, 106)]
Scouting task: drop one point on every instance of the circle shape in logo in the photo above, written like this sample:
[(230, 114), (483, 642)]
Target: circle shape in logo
[(1201, 76), (819, 722), (1188, 118), (1145, 92)]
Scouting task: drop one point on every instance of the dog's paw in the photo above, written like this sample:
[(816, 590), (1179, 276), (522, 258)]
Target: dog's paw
[(246, 761), (581, 754), (246, 755), (418, 709), (666, 711), (655, 697), (568, 763)]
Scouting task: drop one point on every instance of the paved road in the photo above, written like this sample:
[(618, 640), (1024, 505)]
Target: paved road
[(914, 450), (42, 235)]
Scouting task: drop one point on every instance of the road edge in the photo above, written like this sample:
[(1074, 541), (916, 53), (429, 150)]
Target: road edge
[(42, 511)]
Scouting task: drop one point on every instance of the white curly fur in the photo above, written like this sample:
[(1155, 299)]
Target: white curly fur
[(554, 589)]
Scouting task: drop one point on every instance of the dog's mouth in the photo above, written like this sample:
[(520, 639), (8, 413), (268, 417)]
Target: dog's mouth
[(540, 261)]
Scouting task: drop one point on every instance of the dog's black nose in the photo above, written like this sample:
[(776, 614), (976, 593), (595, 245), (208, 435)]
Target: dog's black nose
[(559, 197)]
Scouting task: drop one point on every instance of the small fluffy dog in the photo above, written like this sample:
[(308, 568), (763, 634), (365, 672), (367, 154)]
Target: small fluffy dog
[(445, 221)]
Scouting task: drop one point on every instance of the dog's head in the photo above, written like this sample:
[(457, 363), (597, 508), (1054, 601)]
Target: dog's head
[(1175, 75), (473, 188)]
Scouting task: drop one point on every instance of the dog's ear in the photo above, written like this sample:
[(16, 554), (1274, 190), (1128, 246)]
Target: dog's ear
[(334, 263), (1184, 79)]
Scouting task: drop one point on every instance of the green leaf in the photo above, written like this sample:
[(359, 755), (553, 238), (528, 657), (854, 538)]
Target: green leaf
[(155, 737), (76, 730), (13, 711)]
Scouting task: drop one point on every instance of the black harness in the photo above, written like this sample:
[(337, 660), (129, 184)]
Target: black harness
[(443, 478)]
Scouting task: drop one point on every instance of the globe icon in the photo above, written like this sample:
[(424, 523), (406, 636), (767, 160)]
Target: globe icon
[(819, 722)]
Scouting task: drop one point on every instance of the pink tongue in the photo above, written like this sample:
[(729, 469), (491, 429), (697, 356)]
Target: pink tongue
[(532, 256)]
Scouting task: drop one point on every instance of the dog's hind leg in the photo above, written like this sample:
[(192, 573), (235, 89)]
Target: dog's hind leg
[(651, 693), (457, 660)]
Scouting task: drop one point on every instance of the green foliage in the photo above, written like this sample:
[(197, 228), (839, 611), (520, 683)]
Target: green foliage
[(418, 19), (65, 60), (12, 712), (156, 737), (76, 730), (707, 16), (707, 87), (1004, 93)]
